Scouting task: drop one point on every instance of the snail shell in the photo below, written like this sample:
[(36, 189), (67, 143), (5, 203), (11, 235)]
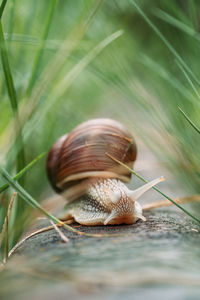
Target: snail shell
[(78, 167), (82, 154)]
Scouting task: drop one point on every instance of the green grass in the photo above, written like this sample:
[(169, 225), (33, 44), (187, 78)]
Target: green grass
[(19, 144), (177, 23), (166, 42), (23, 171), (64, 62), (39, 53), (3, 4), (171, 90), (13, 99), (189, 120)]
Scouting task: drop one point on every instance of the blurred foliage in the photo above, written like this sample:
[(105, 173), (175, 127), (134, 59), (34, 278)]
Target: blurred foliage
[(68, 67)]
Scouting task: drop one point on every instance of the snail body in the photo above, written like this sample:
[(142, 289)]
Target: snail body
[(78, 167)]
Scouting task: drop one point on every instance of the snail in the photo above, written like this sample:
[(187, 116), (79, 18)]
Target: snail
[(94, 184)]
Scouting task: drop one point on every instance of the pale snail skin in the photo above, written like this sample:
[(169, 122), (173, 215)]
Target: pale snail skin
[(79, 157), (108, 201)]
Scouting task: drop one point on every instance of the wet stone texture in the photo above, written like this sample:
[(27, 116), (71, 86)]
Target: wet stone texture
[(147, 260), (156, 259)]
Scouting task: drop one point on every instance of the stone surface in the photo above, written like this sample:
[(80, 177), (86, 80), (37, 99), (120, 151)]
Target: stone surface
[(159, 257)]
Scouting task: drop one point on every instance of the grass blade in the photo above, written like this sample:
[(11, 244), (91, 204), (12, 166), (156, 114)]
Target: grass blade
[(176, 23), (40, 51), (168, 77), (26, 196), (32, 202), (164, 203), (79, 67), (63, 237), (165, 41), (5, 225), (23, 171), (28, 236), (28, 109), (11, 20), (60, 88), (47, 76), (14, 105), (156, 189), (7, 73), (188, 79), (3, 4), (189, 120)]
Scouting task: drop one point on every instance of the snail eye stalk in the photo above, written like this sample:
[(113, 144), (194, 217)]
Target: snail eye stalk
[(134, 195)]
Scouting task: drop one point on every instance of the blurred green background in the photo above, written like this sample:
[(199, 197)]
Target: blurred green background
[(75, 60)]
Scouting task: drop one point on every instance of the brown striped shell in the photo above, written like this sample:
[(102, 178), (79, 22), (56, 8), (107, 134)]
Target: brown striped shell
[(81, 154)]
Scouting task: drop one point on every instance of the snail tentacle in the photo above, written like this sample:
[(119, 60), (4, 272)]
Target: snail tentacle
[(135, 194)]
